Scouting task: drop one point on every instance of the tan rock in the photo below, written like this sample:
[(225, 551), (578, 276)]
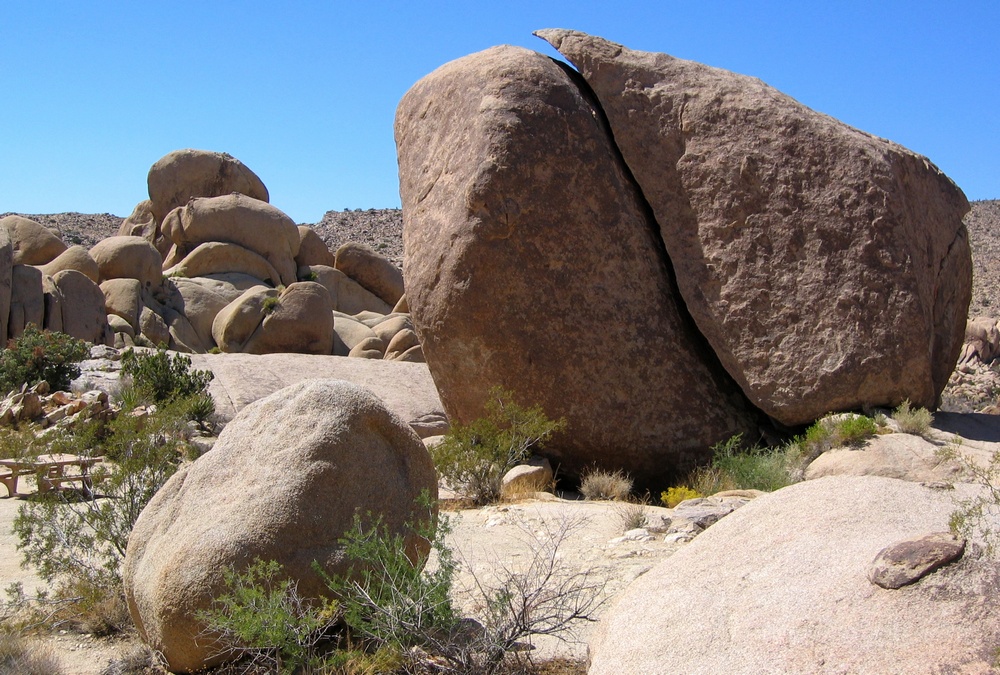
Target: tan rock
[(414, 354), (392, 324), (142, 223), (122, 297), (349, 333), (369, 348), (120, 325), (982, 340), (401, 342), (402, 306), (237, 219), (153, 327), (313, 250), (286, 492), (33, 243), (230, 285), (523, 234), (220, 258), (83, 314), (828, 269), (236, 323), (353, 298), (321, 274), (201, 304), (128, 258), (54, 301), (373, 271), (183, 174), (300, 322), (27, 303), (74, 258)]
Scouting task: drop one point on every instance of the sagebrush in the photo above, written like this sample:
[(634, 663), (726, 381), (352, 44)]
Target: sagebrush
[(38, 355)]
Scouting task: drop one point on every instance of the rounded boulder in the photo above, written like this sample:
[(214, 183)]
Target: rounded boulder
[(284, 482), (182, 175)]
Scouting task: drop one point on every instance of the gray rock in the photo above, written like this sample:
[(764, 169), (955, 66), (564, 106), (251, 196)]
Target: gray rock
[(908, 561)]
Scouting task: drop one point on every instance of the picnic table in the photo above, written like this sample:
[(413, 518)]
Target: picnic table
[(50, 471)]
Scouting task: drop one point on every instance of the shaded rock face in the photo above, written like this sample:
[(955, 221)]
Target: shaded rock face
[(828, 268), (531, 263), (276, 491)]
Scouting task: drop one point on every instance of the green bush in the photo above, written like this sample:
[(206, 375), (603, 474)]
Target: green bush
[(262, 616), (41, 355), (161, 378), (736, 468), (473, 458), (270, 304), (853, 430)]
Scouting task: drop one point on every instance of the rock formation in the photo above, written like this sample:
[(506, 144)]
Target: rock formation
[(284, 482), (547, 215), (531, 263), (827, 268)]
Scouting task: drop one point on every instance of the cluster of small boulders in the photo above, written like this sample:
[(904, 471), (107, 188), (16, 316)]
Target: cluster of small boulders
[(59, 409), (206, 264)]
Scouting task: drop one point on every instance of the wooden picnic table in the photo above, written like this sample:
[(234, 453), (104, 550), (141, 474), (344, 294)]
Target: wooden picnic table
[(50, 471)]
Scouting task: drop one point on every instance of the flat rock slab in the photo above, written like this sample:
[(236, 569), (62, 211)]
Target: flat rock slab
[(910, 560), (406, 388)]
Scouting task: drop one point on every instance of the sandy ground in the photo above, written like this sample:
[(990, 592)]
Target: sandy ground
[(484, 540)]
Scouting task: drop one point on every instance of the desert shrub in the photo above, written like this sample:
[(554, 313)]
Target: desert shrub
[(677, 494), (262, 618), (162, 378), (736, 468), (916, 421), (473, 458), (41, 355), (631, 515), (853, 430), (270, 304), (974, 515), (24, 657), (135, 659), (601, 484)]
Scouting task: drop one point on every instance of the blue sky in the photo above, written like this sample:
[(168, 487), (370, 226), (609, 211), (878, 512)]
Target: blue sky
[(304, 93)]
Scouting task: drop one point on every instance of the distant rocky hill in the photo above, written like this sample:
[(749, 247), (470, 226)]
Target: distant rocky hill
[(382, 229)]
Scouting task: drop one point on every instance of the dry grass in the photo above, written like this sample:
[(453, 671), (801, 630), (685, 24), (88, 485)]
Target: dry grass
[(526, 488), (21, 656), (916, 421), (600, 484), (631, 515)]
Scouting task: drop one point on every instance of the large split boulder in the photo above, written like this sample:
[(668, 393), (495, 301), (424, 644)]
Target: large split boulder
[(236, 219), (27, 303), (182, 175), (785, 585), (284, 482), (531, 263), (373, 271), (828, 269), (6, 279), (74, 258), (83, 307)]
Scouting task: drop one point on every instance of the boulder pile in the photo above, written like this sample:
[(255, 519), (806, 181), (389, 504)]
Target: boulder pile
[(666, 254), (206, 264)]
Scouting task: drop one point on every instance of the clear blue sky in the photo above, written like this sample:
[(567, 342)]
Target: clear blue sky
[(304, 93)]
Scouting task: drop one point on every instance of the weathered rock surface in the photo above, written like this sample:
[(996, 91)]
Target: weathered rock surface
[(216, 257), (285, 492), (828, 269), (33, 244), (183, 174), (523, 233), (371, 270), (300, 322), (313, 250), (6, 278), (128, 257), (910, 560), (781, 586), (74, 258), (236, 219), (235, 323), (406, 388), (27, 303), (83, 313)]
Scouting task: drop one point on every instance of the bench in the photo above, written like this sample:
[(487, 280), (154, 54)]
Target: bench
[(9, 478)]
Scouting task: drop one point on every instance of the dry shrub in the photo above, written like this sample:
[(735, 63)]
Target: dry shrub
[(20, 656), (610, 485), (526, 488), (916, 421), (631, 515), (136, 659)]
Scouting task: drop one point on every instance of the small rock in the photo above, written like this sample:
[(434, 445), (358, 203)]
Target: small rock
[(910, 560)]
